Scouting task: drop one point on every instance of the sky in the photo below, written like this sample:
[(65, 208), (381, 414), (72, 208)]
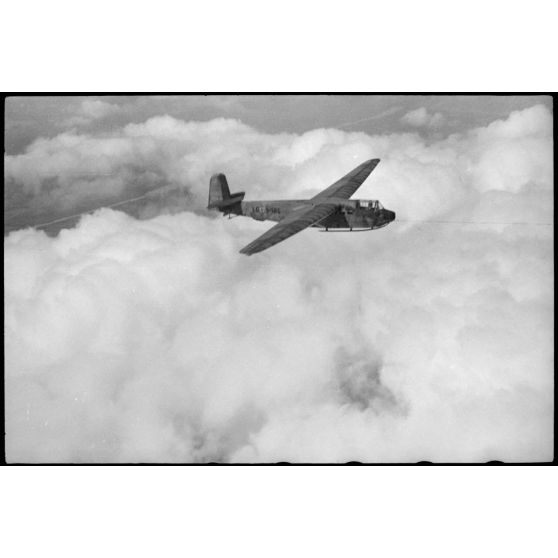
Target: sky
[(143, 336)]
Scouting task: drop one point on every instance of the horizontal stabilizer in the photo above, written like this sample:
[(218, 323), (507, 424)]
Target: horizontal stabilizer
[(228, 202)]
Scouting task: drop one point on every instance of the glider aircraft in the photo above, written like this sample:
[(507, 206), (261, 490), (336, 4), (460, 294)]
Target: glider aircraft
[(331, 209)]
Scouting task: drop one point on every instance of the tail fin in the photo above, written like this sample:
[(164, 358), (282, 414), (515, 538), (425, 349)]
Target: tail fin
[(220, 196)]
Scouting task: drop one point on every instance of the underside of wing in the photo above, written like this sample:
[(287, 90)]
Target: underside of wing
[(295, 222), (349, 184)]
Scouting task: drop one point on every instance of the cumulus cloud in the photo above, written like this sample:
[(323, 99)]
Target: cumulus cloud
[(422, 118), (154, 340), (90, 110), (72, 169)]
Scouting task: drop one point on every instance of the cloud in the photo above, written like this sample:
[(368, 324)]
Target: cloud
[(420, 117), (71, 169), (90, 110), (98, 109), (154, 340)]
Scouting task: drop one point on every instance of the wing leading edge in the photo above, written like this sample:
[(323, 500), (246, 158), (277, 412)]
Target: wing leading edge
[(345, 187), (296, 221)]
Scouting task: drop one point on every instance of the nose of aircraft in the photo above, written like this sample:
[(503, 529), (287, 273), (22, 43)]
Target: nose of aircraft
[(390, 215)]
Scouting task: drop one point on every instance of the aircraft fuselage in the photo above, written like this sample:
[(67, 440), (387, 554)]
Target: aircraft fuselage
[(350, 214)]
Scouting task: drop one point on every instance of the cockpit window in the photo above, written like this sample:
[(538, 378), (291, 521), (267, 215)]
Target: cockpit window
[(370, 204)]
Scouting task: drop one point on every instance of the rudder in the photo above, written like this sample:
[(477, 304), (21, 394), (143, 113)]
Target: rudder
[(218, 190)]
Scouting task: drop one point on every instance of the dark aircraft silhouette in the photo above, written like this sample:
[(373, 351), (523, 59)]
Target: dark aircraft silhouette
[(331, 209)]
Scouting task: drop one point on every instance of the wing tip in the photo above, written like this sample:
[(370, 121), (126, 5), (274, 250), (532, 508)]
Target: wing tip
[(248, 250)]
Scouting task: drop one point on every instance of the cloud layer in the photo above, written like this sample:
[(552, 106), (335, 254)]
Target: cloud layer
[(154, 340)]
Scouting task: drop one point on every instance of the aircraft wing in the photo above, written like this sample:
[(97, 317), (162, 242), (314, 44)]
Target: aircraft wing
[(345, 187), (294, 222)]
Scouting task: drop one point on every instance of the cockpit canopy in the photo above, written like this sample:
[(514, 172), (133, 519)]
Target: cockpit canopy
[(370, 204)]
